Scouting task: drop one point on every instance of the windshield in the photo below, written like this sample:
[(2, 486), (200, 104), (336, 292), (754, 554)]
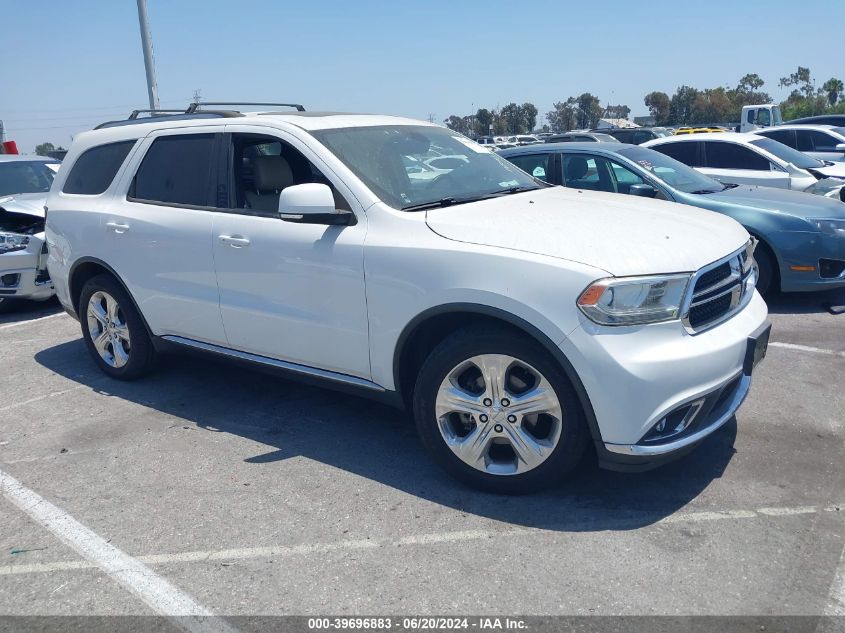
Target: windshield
[(24, 176), (673, 173), (408, 166), (786, 153)]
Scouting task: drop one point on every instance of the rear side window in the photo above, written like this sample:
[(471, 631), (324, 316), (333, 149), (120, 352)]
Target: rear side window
[(815, 141), (177, 170), (538, 165), (732, 156), (94, 170), (685, 152)]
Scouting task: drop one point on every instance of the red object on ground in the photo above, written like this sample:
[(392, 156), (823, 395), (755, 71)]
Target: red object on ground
[(10, 147)]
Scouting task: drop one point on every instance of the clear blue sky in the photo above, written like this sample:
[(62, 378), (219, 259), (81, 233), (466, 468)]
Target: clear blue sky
[(66, 66)]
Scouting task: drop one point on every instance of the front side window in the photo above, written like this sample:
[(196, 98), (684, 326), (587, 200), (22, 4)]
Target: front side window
[(815, 141), (25, 176), (410, 166), (722, 155), (787, 154), (262, 166), (177, 170), (95, 169), (787, 137), (538, 165)]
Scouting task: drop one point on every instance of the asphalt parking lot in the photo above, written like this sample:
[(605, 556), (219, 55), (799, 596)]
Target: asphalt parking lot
[(246, 494)]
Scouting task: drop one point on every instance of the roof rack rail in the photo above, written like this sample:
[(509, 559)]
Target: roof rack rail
[(134, 114), (195, 107)]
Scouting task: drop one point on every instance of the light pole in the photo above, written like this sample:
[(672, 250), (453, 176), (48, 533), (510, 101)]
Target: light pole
[(149, 62)]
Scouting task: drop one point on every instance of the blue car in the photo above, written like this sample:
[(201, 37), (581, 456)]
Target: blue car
[(801, 236)]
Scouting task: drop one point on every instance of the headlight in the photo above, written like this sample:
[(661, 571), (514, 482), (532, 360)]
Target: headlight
[(13, 242), (829, 227), (634, 300)]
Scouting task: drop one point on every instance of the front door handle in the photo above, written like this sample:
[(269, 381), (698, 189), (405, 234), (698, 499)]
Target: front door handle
[(234, 241), (117, 227)]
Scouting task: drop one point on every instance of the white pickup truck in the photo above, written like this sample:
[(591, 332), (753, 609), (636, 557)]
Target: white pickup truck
[(756, 117)]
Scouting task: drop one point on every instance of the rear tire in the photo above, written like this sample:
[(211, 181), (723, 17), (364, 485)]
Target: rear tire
[(114, 332), (497, 412)]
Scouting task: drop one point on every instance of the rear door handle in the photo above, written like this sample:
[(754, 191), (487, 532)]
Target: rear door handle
[(234, 241), (117, 227)]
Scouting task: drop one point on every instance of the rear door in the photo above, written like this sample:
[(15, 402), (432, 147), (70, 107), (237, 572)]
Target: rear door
[(818, 144), (159, 232), (539, 165), (734, 163)]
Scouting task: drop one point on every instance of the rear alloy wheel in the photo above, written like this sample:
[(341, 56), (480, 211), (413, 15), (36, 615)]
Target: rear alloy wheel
[(113, 329), (498, 413)]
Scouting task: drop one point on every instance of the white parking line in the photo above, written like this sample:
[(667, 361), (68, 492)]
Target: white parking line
[(807, 348), (245, 553), (155, 591), (44, 318), (52, 394), (837, 590)]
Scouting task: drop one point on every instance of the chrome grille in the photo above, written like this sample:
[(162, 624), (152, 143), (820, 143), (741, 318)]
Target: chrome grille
[(720, 290)]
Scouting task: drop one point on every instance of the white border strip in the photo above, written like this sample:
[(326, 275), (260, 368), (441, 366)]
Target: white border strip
[(806, 348), (44, 318), (155, 591)]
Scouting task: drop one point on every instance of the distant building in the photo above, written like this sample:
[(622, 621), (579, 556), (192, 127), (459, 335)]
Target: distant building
[(645, 121), (612, 124)]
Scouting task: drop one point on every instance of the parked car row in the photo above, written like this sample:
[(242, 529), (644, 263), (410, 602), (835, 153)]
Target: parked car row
[(801, 238)]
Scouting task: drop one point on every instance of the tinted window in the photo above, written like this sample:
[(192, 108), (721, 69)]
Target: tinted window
[(622, 136), (787, 137), (722, 155), (786, 154), (814, 141), (583, 139), (538, 165), (685, 152), (177, 170), (94, 170), (641, 137)]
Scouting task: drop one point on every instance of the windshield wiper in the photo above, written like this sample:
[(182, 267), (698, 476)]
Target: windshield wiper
[(703, 191), (434, 204), (508, 191)]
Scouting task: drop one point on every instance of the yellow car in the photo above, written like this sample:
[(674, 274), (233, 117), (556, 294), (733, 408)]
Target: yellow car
[(699, 130)]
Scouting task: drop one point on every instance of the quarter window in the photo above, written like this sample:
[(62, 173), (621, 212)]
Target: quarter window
[(176, 170), (722, 155), (94, 170)]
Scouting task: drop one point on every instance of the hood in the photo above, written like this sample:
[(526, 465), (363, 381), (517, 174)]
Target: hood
[(22, 213), (623, 235), (833, 170), (795, 203), (28, 203)]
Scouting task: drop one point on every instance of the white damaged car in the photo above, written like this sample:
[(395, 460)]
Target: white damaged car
[(24, 184)]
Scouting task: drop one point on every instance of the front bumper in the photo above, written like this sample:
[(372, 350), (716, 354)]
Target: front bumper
[(23, 274), (637, 376), (807, 250)]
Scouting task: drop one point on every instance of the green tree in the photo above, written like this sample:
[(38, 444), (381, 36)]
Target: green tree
[(512, 115), (712, 105), (456, 123), (529, 116), (617, 111), (483, 121), (44, 149), (658, 106), (562, 117), (680, 106), (589, 111), (750, 83), (802, 81), (833, 89)]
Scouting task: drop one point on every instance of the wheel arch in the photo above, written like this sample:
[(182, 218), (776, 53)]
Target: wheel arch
[(431, 326), (87, 268)]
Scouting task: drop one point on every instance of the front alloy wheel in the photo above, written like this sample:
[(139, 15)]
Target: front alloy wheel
[(498, 414), (496, 410)]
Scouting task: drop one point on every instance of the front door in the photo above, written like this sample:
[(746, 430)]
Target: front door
[(293, 292)]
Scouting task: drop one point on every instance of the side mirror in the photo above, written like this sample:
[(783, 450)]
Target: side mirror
[(840, 147), (642, 190), (311, 203)]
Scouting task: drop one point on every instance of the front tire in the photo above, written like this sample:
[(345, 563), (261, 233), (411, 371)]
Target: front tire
[(498, 413), (767, 272), (113, 330)]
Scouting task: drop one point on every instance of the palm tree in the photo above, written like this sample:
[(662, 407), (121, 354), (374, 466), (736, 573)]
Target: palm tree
[(833, 87)]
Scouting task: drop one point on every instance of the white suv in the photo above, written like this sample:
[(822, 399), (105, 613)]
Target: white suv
[(520, 322)]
